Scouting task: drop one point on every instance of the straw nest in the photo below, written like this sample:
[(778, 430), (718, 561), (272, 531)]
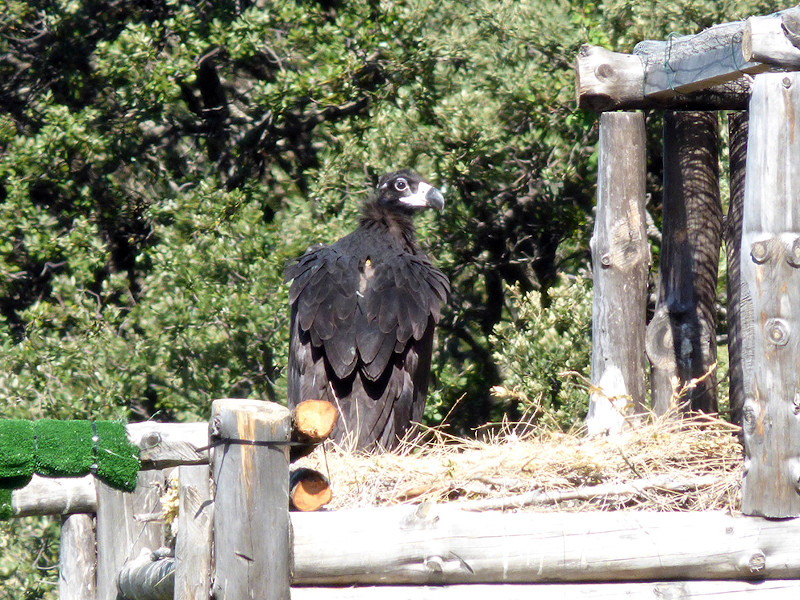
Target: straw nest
[(670, 463)]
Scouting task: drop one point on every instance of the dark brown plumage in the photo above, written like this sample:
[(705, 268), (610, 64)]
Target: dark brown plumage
[(364, 311)]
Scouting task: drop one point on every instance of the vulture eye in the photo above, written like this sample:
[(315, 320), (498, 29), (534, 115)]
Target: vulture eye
[(400, 185)]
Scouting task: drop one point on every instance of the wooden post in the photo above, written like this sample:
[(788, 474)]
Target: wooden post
[(770, 262), (681, 338), (737, 136), (121, 532), (77, 559), (620, 263), (250, 469), (193, 543)]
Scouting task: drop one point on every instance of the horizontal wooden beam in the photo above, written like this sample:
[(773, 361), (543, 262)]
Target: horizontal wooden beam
[(685, 590), (441, 545), (48, 496), (608, 80), (705, 71), (681, 65), (169, 444)]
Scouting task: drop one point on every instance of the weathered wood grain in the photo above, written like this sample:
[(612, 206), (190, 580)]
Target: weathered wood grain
[(193, 541), (122, 533), (62, 496), (620, 265), (765, 40), (683, 64), (168, 444), (77, 559), (703, 71), (770, 270), (436, 545), (250, 467), (681, 337), (607, 80)]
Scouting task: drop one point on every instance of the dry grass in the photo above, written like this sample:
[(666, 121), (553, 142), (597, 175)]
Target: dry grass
[(667, 464)]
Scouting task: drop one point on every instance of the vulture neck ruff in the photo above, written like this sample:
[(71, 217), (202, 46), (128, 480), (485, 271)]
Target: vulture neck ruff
[(396, 222)]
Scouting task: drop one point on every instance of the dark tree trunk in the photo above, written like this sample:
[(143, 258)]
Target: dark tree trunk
[(681, 338), (737, 131)]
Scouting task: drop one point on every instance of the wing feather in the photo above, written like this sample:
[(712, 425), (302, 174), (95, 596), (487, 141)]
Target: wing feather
[(377, 366)]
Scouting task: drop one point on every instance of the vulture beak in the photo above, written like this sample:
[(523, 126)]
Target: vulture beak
[(434, 198), (426, 196)]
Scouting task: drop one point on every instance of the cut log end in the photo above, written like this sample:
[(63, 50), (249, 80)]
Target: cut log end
[(309, 490), (314, 420)]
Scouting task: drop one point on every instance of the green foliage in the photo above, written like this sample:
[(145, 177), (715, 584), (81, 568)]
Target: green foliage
[(28, 554), (158, 169), (544, 355)]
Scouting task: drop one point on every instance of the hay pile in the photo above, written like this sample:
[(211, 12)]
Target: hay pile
[(664, 464)]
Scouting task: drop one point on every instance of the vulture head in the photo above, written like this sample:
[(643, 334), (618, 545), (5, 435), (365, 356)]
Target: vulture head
[(406, 192)]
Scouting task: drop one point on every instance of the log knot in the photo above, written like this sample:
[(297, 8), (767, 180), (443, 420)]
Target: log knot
[(749, 416), (777, 331), (754, 562), (151, 440)]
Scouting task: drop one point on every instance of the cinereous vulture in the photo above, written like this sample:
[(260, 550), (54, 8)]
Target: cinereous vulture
[(363, 313)]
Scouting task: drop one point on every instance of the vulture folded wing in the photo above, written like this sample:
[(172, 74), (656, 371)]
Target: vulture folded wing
[(323, 296), (398, 304)]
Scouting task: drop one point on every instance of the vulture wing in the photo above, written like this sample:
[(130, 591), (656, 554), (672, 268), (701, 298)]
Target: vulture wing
[(362, 335)]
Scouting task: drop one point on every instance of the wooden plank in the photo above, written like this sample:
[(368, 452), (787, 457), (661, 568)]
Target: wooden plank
[(737, 136), (168, 444), (765, 40), (62, 496), (620, 266), (122, 531), (685, 590), (193, 541), (77, 559), (608, 80), (250, 467), (439, 545), (681, 337), (770, 270), (684, 64)]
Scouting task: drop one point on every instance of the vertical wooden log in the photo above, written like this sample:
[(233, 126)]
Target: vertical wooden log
[(193, 542), (770, 262), (121, 532), (737, 135), (250, 470), (620, 264), (77, 558), (681, 338)]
